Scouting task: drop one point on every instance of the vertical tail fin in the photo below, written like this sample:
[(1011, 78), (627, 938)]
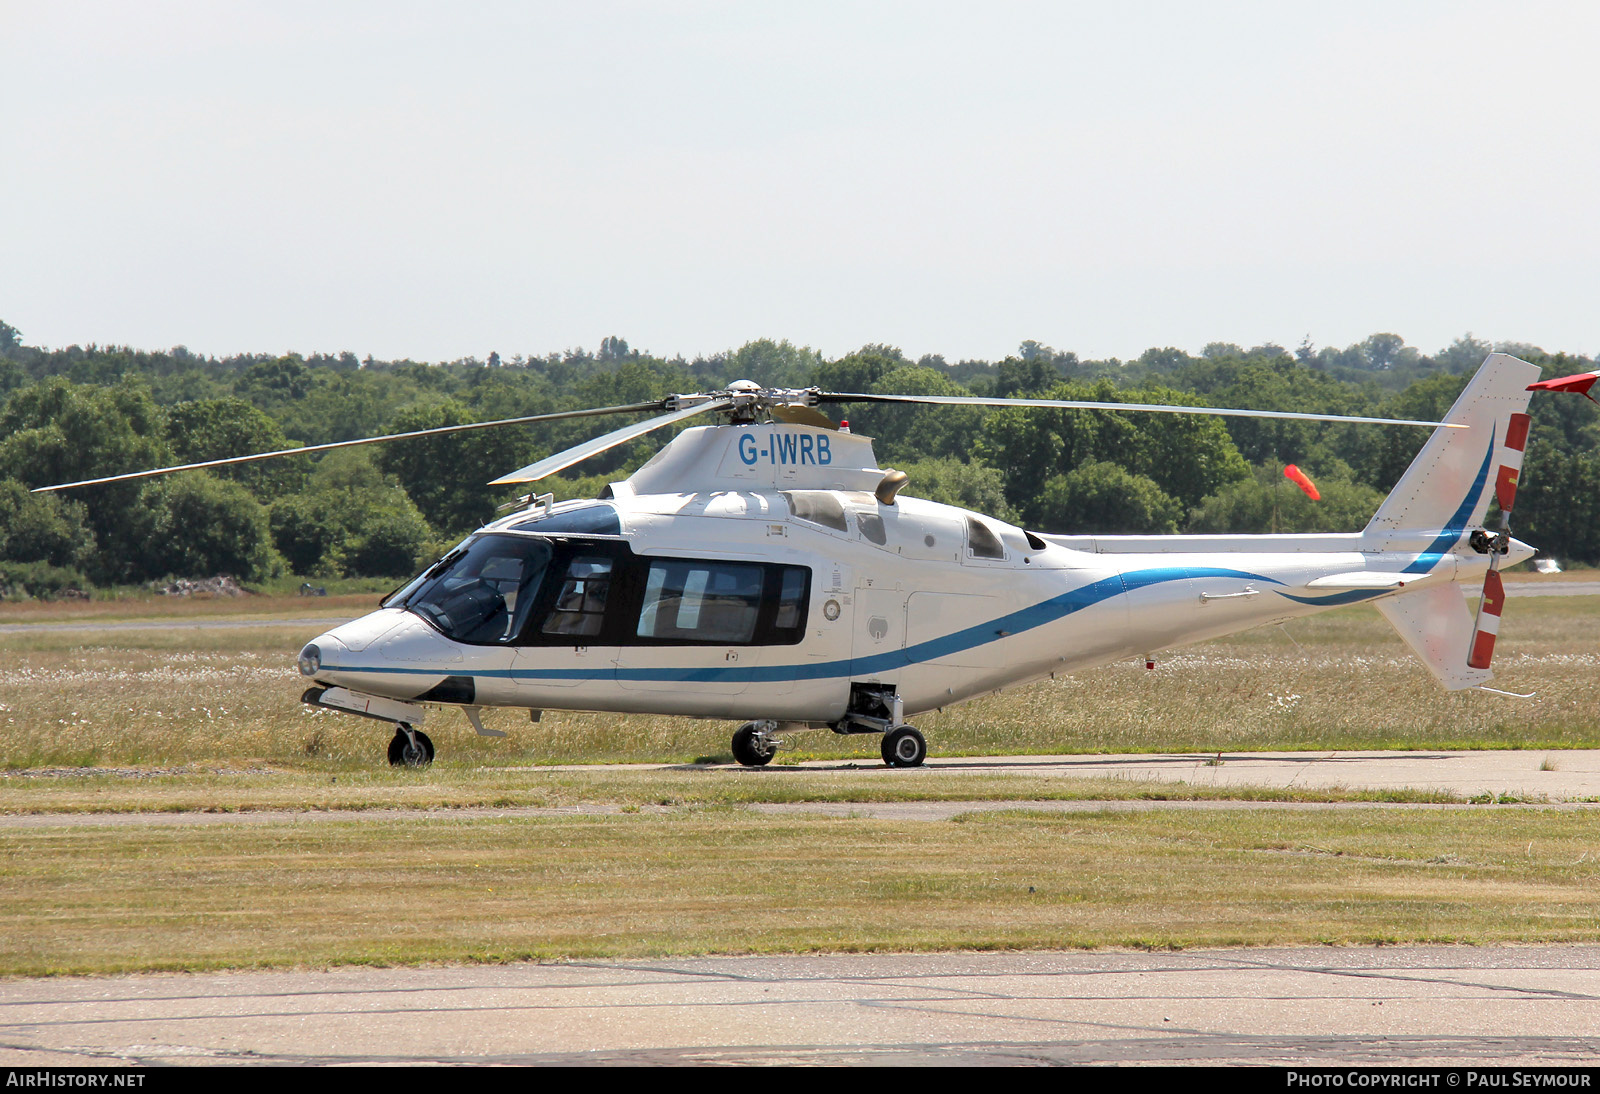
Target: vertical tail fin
[(1447, 487)]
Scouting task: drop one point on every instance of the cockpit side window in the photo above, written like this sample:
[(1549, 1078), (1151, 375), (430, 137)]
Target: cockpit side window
[(482, 592)]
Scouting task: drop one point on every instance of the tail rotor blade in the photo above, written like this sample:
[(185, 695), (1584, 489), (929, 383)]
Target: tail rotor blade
[(1488, 622), (1578, 384), (1505, 485)]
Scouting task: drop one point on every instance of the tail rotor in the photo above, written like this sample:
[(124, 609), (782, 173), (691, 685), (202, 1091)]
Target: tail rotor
[(1487, 624)]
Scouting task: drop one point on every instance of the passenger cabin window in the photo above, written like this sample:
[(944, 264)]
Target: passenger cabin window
[(727, 603), (791, 613), (701, 602), (580, 606), (982, 541)]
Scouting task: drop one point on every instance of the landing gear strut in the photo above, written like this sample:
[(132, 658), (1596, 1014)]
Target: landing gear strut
[(875, 708), (754, 744), (410, 748), (903, 746)]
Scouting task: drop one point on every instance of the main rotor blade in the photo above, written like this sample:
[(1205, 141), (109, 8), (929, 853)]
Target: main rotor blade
[(1074, 404), (630, 409), (578, 452), (803, 415)]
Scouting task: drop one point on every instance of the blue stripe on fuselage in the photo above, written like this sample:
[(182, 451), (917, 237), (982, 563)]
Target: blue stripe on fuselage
[(1333, 600)]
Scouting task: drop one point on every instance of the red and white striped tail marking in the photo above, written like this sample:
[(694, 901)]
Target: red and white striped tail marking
[(1494, 599)]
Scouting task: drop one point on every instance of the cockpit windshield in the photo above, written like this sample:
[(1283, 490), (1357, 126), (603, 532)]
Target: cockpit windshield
[(482, 591)]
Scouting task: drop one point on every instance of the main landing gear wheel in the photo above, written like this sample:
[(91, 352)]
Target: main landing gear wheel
[(752, 746), (903, 746), (410, 748)]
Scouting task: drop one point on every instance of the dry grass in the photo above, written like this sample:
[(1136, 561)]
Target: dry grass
[(104, 899)]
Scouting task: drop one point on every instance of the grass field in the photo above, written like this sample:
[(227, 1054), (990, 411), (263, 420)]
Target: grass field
[(167, 719), (108, 899)]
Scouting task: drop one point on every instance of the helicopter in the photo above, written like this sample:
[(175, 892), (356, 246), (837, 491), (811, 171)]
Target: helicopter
[(765, 569)]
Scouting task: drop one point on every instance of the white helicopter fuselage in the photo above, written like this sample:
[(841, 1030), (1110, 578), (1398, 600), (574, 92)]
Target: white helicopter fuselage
[(920, 613), (760, 572)]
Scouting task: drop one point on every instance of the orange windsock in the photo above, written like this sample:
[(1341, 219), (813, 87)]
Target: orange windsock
[(1300, 479)]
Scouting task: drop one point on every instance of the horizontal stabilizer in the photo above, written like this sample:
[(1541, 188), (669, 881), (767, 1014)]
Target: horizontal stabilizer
[(1578, 384), (1437, 626)]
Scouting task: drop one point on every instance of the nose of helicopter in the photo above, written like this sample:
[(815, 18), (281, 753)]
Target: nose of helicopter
[(310, 660), (323, 658), (392, 654)]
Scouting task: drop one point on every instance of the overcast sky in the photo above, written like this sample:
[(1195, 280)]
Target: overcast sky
[(441, 180)]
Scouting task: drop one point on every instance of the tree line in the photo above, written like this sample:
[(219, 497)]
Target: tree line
[(383, 510)]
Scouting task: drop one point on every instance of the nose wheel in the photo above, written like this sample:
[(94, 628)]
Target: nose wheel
[(903, 746), (410, 748)]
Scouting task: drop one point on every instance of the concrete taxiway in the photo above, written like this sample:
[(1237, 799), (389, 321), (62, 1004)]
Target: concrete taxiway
[(1531, 776), (1448, 1006)]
